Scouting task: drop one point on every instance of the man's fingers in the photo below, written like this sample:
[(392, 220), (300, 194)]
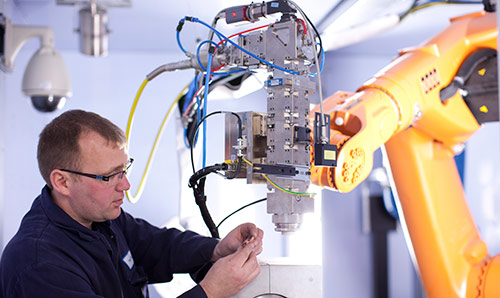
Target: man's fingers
[(251, 267), (248, 241), (243, 255), (231, 273), (247, 230), (255, 266), (256, 240)]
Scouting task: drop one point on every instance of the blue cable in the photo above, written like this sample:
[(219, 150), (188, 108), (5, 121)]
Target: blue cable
[(178, 36), (322, 63), (198, 52), (189, 95), (242, 49), (186, 143), (203, 67), (198, 110), (226, 73), (220, 36), (205, 100), (188, 98)]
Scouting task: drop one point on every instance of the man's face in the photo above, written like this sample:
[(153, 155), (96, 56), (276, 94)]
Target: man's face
[(92, 200)]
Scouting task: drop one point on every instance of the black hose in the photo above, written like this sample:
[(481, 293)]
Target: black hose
[(197, 183)]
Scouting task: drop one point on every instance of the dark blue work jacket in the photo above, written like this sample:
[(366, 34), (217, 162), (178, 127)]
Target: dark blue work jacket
[(52, 255)]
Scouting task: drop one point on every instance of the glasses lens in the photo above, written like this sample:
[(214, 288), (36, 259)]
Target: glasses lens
[(125, 171), (122, 173)]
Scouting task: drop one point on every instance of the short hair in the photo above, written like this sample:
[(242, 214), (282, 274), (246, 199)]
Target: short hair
[(58, 146)]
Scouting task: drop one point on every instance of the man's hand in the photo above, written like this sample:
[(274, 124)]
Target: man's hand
[(242, 235), (236, 263), (230, 274)]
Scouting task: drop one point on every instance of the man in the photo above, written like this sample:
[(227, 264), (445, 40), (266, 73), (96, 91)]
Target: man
[(77, 242)]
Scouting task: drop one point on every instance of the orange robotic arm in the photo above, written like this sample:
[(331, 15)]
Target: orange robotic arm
[(417, 108)]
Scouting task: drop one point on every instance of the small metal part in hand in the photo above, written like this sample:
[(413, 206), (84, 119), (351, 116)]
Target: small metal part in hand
[(248, 240)]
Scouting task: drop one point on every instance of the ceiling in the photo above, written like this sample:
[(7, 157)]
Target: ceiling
[(149, 25), (146, 25)]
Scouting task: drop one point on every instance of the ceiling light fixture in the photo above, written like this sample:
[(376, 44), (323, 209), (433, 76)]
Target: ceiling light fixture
[(93, 24)]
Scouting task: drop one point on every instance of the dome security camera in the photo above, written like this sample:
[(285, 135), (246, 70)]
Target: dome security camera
[(46, 80)]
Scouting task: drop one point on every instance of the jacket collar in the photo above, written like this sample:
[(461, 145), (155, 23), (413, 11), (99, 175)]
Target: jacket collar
[(60, 218)]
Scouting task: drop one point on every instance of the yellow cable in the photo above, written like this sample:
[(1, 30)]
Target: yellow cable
[(422, 7), (138, 194), (132, 110), (417, 8), (279, 187), (310, 194), (247, 161)]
